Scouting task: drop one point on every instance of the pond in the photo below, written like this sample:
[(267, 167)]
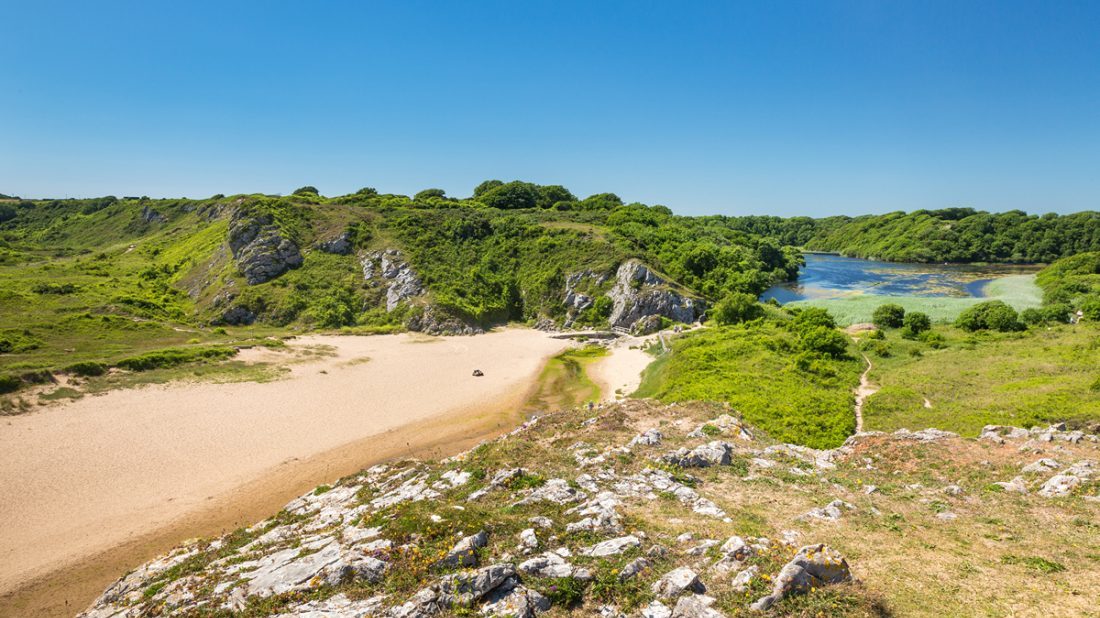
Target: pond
[(828, 276)]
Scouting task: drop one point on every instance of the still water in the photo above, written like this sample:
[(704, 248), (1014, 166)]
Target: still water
[(833, 276)]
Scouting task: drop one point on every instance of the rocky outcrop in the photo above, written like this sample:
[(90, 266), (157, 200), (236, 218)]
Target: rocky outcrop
[(389, 269), (259, 248), (339, 244), (813, 567), (639, 295), (148, 215), (431, 321)]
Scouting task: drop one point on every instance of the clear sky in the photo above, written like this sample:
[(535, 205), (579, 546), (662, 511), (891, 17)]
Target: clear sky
[(757, 107)]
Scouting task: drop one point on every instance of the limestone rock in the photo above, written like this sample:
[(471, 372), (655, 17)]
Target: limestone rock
[(516, 602), (716, 453), (639, 293), (464, 553), (676, 582), (696, 606), (339, 244), (812, 567), (259, 248), (612, 547)]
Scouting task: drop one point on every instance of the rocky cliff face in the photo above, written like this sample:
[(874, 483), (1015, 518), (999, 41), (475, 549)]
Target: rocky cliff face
[(638, 294), (260, 250), (389, 269)]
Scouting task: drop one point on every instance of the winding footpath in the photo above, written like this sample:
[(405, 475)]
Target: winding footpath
[(863, 391)]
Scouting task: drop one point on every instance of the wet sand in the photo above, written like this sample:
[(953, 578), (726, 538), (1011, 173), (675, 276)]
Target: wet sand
[(94, 487)]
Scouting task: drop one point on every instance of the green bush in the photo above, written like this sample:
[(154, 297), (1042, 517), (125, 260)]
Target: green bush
[(917, 322), (10, 384), (735, 308), (810, 317), (990, 315), (889, 316), (1033, 317), (825, 341), (87, 368), (935, 340), (1091, 309), (1057, 312)]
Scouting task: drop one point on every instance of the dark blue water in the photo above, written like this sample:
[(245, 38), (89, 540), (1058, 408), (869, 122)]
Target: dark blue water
[(833, 276)]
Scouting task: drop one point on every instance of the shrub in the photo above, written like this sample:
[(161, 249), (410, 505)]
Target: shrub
[(810, 317), (889, 316), (917, 322), (1032, 317), (825, 341), (1057, 312), (10, 384), (1091, 309), (990, 315), (87, 368), (935, 340), (735, 308), (306, 190)]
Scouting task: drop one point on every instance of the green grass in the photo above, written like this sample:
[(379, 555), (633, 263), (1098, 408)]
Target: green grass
[(1031, 378), (564, 383), (1019, 291), (756, 369)]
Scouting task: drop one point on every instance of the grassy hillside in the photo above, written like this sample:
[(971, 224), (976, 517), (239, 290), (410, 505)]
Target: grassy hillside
[(961, 235), (103, 279), (762, 370), (1041, 376)]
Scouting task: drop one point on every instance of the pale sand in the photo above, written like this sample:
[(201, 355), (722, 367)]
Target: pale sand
[(620, 372), (96, 486)]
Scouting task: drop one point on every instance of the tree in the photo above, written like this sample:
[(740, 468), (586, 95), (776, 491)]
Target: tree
[(824, 340), (917, 322), (735, 308), (7, 212), (889, 316), (812, 317), (510, 196), (552, 194), (428, 194), (990, 315), (485, 187), (306, 190)]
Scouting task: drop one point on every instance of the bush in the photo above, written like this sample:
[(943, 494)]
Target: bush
[(825, 341), (306, 190), (917, 322), (1057, 312), (10, 384), (935, 340), (736, 308), (889, 316), (87, 368), (990, 315), (1033, 317), (1091, 309), (811, 317)]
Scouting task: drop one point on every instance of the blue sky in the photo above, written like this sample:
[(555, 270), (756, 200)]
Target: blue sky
[(809, 108)]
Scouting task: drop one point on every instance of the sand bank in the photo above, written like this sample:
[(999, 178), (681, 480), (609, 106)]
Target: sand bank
[(94, 487)]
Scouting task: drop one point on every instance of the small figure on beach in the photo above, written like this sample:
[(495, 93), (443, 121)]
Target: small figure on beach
[(478, 373)]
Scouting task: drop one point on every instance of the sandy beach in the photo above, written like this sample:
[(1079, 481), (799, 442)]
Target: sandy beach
[(620, 372), (96, 486)]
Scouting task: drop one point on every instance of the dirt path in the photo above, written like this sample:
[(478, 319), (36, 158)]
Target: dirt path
[(106, 482), (863, 391)]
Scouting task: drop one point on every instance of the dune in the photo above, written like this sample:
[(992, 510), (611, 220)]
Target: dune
[(96, 486)]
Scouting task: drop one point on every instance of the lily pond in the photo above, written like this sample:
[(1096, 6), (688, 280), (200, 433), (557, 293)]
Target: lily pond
[(852, 288)]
